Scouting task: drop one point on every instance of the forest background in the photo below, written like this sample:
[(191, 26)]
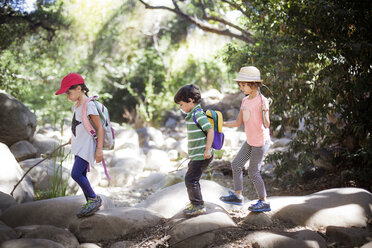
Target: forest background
[(314, 55)]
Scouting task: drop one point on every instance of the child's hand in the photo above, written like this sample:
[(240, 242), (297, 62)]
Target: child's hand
[(207, 153), (99, 155)]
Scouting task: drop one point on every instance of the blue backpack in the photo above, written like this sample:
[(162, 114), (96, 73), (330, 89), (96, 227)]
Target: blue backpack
[(216, 120)]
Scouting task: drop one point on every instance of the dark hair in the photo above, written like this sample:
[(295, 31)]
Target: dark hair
[(83, 88), (187, 92), (256, 84)]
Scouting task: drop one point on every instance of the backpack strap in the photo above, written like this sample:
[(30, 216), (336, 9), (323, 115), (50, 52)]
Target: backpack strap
[(193, 116), (262, 109), (84, 117)]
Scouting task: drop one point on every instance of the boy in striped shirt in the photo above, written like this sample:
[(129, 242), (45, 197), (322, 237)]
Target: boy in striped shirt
[(199, 145)]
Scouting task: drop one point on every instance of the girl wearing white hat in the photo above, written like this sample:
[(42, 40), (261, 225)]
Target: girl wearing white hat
[(254, 112)]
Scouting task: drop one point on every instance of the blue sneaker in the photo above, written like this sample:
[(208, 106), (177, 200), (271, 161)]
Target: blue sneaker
[(260, 206), (232, 198)]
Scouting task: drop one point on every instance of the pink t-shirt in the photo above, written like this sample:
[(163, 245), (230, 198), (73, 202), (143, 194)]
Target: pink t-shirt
[(256, 133)]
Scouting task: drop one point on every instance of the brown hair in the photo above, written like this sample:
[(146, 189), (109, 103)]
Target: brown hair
[(84, 88), (187, 92)]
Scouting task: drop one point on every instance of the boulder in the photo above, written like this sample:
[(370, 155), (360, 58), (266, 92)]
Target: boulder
[(58, 235), (27, 243), (23, 150), (234, 138), (125, 166), (256, 221), (158, 160), (367, 245), (269, 239), (124, 244), (345, 207), (89, 245), (126, 138), (10, 174), (152, 182), (212, 96), (44, 144), (6, 233), (6, 201), (150, 137), (112, 224), (173, 199), (59, 212), (191, 232), (351, 237), (17, 121)]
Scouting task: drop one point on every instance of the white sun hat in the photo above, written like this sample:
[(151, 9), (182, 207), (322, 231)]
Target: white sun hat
[(248, 74)]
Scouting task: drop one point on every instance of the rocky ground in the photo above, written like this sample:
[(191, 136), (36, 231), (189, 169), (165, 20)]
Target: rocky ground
[(157, 236)]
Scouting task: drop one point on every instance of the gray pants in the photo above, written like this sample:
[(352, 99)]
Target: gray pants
[(255, 156)]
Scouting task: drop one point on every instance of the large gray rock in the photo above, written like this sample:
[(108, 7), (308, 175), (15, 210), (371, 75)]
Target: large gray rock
[(126, 138), (10, 174), (44, 144), (6, 201), (27, 243), (89, 245), (23, 150), (367, 245), (112, 224), (58, 235), (173, 199), (268, 239), (351, 237), (17, 121), (150, 137), (185, 232), (125, 166), (345, 207), (158, 160), (6, 233), (59, 212)]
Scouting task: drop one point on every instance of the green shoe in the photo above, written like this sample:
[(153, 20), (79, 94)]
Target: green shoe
[(90, 207), (193, 210)]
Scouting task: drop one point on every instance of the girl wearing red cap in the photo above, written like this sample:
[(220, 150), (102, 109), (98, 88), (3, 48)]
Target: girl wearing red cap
[(83, 145)]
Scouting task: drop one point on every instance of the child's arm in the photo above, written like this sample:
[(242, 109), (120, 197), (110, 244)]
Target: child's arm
[(237, 123), (99, 150), (210, 137)]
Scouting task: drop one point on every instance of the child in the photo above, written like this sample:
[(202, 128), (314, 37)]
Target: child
[(83, 145), (199, 145), (254, 112)]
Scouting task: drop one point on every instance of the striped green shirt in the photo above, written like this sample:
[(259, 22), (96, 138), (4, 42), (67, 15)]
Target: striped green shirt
[(196, 137)]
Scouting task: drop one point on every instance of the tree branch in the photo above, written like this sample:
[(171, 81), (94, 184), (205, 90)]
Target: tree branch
[(243, 35)]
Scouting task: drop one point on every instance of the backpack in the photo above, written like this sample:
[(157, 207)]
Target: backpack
[(109, 136), (216, 120)]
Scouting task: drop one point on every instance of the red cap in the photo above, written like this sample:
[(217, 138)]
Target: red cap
[(68, 81)]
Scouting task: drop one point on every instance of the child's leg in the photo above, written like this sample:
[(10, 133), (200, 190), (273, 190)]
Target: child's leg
[(192, 178), (78, 173), (255, 167), (237, 166)]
